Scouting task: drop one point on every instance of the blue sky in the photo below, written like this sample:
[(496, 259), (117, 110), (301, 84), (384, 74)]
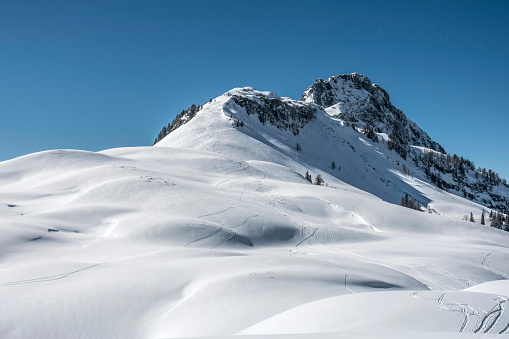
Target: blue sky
[(95, 75)]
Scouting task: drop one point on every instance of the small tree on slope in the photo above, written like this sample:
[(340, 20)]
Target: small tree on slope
[(318, 180), (308, 177)]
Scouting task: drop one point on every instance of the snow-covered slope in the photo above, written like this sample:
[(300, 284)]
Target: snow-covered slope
[(216, 232)]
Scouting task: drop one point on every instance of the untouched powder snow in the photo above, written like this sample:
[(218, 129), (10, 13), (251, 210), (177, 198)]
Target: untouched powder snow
[(216, 232)]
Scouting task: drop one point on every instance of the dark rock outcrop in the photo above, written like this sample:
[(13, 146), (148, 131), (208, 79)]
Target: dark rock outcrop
[(283, 113)]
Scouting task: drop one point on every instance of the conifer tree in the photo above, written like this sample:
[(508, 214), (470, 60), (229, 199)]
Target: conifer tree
[(500, 219), (482, 218), (333, 165), (471, 217), (318, 180), (297, 147), (308, 177), (496, 221), (411, 204)]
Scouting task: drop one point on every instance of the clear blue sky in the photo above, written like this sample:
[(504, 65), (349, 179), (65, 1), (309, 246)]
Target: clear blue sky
[(95, 75)]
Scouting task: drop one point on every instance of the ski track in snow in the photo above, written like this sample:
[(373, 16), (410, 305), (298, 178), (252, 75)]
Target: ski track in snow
[(245, 220), (205, 237), (232, 205), (226, 240), (488, 323), (505, 329), (216, 213), (463, 309), (445, 305), (486, 263), (491, 319), (49, 278), (346, 275), (308, 237)]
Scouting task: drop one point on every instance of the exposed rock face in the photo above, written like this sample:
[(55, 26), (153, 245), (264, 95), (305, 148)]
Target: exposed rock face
[(354, 98), (283, 113)]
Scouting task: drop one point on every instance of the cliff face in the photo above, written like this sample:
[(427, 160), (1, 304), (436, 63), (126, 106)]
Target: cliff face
[(283, 113), (354, 98)]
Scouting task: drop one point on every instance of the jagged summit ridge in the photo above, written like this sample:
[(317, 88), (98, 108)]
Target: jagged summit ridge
[(321, 92), (353, 97), (350, 97)]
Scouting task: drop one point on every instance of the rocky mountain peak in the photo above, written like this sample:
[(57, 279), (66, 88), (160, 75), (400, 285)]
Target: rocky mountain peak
[(322, 91), (353, 97)]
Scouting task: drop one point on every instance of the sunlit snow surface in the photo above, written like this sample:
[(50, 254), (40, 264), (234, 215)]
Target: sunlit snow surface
[(215, 232)]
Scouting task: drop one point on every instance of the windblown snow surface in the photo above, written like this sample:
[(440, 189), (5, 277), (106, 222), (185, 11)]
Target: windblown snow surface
[(215, 232)]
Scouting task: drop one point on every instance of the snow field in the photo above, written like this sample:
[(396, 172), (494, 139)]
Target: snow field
[(215, 232)]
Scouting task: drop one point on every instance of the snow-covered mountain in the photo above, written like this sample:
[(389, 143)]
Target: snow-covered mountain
[(352, 100), (216, 231)]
